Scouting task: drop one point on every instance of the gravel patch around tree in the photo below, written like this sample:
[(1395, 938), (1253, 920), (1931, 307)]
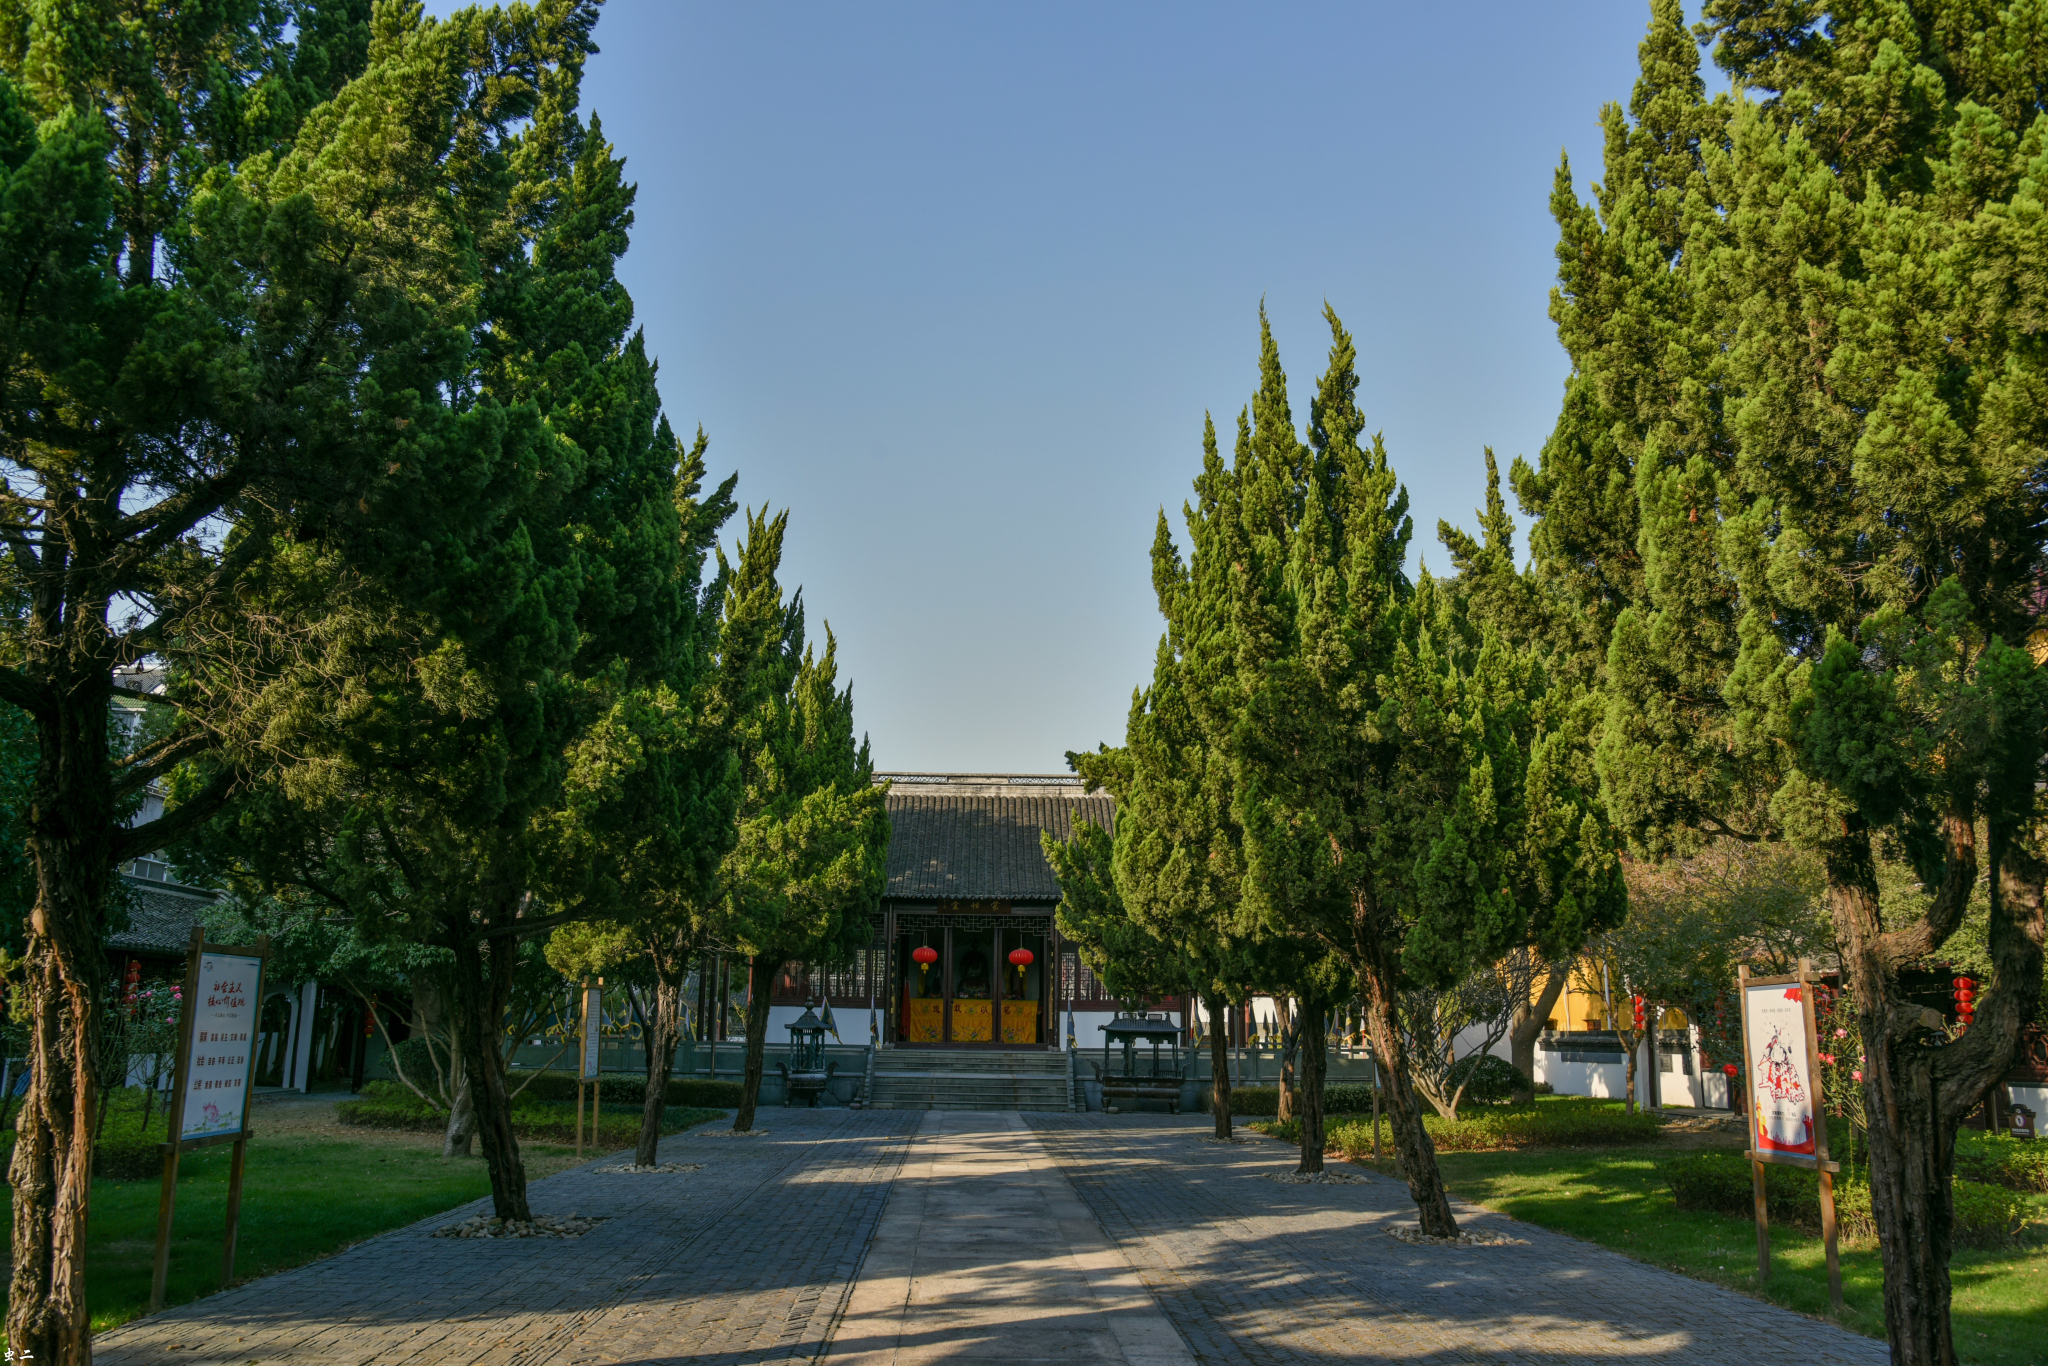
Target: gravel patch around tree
[(540, 1226), (1415, 1237), (658, 1169)]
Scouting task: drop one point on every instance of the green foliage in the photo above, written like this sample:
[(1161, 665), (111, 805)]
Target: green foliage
[(1135, 964), (1985, 1216), (1561, 1123), (629, 1089), (1997, 1160), (385, 1105), (1338, 1099), (1488, 1078), (807, 870)]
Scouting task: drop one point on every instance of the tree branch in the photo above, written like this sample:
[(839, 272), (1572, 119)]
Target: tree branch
[(18, 688), (134, 841)]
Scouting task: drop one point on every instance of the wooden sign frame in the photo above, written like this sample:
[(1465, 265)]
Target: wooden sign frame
[(175, 1144), (1758, 1155)]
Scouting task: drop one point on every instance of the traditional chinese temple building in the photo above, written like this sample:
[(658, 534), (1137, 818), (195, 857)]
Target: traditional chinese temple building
[(965, 953)]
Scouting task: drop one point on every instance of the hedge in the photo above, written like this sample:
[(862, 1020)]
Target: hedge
[(1997, 1160), (388, 1105), (1552, 1124), (627, 1088), (1339, 1098), (1985, 1216)]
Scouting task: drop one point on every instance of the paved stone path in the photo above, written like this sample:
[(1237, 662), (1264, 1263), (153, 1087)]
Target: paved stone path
[(985, 1254), (1259, 1273), (901, 1238), (748, 1260)]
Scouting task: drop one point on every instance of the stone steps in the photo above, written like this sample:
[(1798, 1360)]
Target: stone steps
[(968, 1079)]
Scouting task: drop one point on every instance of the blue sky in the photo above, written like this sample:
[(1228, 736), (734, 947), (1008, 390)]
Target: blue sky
[(956, 283)]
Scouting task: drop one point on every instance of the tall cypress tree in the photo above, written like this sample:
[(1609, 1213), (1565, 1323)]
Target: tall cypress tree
[(1406, 793), (1819, 398), (805, 876), (502, 700)]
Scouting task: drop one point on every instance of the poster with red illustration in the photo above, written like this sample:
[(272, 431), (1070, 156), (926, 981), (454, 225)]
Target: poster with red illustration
[(1780, 1090), (227, 997)]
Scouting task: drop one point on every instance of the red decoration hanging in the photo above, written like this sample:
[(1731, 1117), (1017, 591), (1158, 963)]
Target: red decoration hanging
[(1021, 957), (924, 955), (1966, 1000)]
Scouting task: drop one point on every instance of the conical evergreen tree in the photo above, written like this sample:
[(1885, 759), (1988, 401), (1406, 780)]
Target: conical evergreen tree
[(1818, 395)]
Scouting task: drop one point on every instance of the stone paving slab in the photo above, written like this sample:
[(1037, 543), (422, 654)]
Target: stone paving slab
[(1258, 1273), (747, 1260), (985, 1254)]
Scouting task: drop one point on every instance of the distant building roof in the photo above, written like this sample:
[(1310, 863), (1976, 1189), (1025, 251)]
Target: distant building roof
[(948, 845), (160, 917)]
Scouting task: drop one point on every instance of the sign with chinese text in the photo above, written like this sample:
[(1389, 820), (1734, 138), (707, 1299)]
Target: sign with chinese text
[(593, 1025), (1782, 1094), (227, 999)]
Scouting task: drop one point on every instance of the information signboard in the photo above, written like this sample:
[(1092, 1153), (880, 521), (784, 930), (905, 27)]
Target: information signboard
[(1782, 1089), (593, 1025), (217, 1024), (227, 997)]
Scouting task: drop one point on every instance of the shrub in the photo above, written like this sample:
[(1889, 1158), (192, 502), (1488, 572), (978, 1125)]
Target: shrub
[(387, 1105), (1997, 1160), (626, 1088), (1347, 1098), (1488, 1078), (1985, 1216), (1553, 1124), (1254, 1102), (126, 1155)]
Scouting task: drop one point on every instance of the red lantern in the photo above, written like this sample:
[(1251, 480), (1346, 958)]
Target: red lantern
[(1020, 959), (1966, 1000), (924, 955), (1730, 1069), (1639, 1012)]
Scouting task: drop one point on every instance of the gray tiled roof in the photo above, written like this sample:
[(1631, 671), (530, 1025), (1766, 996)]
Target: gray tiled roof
[(160, 918), (981, 848)]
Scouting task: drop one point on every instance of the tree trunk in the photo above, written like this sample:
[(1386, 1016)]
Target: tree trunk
[(480, 985), (1412, 1144), (461, 1116), (1916, 1087), (1309, 1038), (1630, 1043), (664, 1030), (1219, 1064), (760, 981), (1528, 1028), (71, 823), (1290, 1099)]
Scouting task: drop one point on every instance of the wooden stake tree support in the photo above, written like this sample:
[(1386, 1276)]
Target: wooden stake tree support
[(1788, 1125), (586, 1071), (217, 1026)]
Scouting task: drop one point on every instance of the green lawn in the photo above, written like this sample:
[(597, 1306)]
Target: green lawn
[(303, 1197), (1613, 1197)]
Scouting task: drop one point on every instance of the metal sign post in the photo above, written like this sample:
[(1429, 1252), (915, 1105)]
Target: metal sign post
[(1787, 1122), (217, 1027)]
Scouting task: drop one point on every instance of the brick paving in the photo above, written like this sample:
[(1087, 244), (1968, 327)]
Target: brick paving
[(904, 1237), (1256, 1273), (747, 1260)]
